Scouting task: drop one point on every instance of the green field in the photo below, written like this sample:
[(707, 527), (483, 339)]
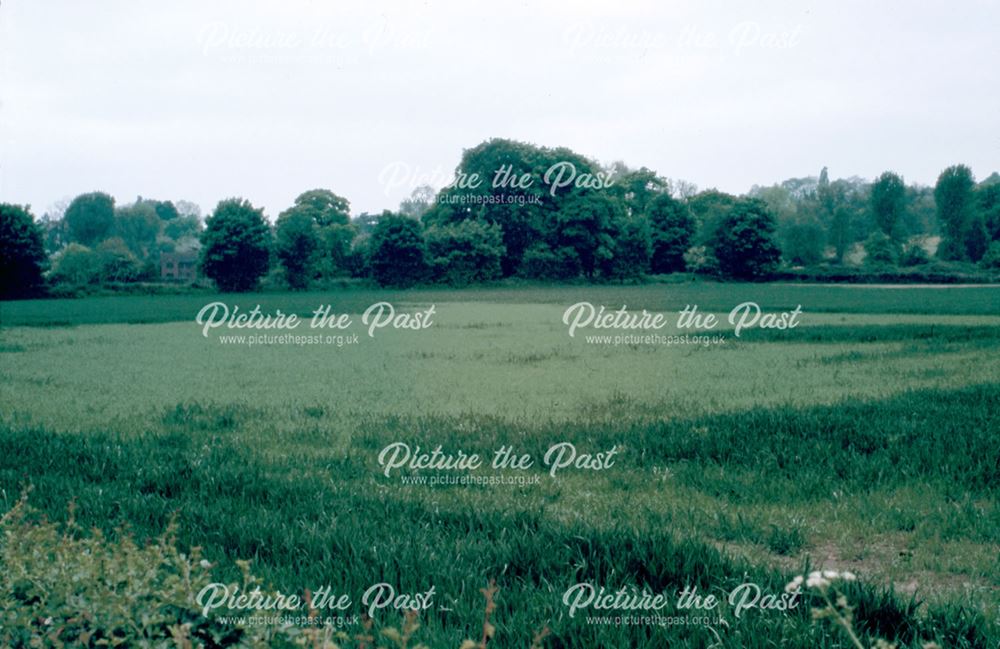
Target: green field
[(867, 439)]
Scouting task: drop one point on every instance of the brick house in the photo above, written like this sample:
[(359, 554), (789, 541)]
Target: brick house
[(179, 266)]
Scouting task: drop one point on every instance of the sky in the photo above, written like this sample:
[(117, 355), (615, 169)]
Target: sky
[(201, 101)]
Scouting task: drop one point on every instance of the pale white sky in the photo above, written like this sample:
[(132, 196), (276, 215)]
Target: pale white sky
[(205, 100)]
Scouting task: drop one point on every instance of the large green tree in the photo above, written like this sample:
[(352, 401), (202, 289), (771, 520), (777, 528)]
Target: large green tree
[(138, 226), (803, 242), (22, 252), (888, 198), (988, 193), (297, 246), (636, 187), (236, 245), (585, 222), (331, 215), (397, 253), (672, 228), (487, 188), (464, 253), (90, 217), (632, 249), (953, 195), (744, 242)]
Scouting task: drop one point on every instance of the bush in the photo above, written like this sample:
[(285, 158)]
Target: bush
[(914, 255), (881, 250), (118, 264), (59, 587), (77, 266)]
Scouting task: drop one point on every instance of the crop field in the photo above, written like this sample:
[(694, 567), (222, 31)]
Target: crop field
[(866, 439)]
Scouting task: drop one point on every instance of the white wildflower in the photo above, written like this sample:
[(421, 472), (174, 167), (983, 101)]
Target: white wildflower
[(794, 584), (817, 580)]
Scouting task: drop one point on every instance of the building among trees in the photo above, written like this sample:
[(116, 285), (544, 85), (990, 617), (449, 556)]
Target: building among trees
[(179, 266)]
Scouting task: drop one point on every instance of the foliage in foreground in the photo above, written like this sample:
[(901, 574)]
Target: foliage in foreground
[(60, 587)]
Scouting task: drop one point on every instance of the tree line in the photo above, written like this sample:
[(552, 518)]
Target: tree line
[(635, 223)]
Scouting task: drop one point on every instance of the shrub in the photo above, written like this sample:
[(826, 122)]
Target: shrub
[(914, 255), (118, 264), (77, 266), (60, 587), (881, 250)]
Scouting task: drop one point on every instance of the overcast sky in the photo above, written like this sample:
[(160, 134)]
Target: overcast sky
[(204, 100)]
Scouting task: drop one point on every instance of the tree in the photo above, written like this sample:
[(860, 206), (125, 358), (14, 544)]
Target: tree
[(672, 227), (525, 214), (633, 247), (77, 266), (418, 203), (236, 245), (974, 237), (636, 187), (914, 255), (90, 217), (954, 199), (186, 225), (803, 243), (989, 206), (325, 207), (138, 225), (117, 263), (709, 208), (297, 245), (188, 208), (542, 262), (991, 260), (584, 223), (465, 252), (337, 241), (331, 215), (22, 252), (744, 243), (165, 210), (397, 252), (888, 197), (881, 250)]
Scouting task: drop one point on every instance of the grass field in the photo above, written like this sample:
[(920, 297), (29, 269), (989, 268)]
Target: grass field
[(866, 439)]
